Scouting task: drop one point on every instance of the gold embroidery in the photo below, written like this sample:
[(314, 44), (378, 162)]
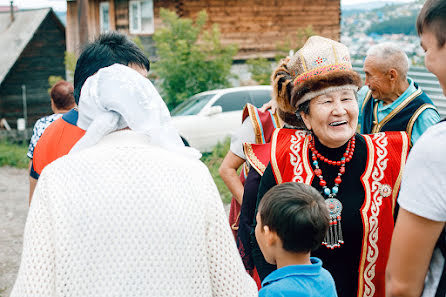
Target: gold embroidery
[(255, 123), (415, 117), (303, 62), (404, 152), (252, 159), (295, 159), (306, 161), (394, 112), (365, 209), (273, 157), (366, 99)]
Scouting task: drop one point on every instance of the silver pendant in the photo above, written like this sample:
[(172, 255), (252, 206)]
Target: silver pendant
[(333, 238)]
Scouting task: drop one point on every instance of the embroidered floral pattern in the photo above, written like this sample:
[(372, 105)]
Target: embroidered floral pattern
[(377, 176), (346, 59), (319, 61), (321, 70), (295, 158)]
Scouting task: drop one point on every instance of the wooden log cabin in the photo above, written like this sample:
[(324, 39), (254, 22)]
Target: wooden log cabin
[(256, 26), (32, 46)]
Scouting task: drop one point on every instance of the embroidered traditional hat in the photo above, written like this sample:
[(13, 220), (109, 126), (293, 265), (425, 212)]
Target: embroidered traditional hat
[(319, 67)]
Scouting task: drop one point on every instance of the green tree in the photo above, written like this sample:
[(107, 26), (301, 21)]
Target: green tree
[(261, 68), (191, 58)]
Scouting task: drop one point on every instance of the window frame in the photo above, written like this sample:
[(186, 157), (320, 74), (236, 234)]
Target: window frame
[(139, 17), (246, 95), (103, 4)]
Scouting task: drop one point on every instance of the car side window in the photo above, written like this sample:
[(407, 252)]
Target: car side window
[(233, 101), (260, 97)]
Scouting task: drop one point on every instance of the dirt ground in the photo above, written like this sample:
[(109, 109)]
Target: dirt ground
[(13, 211)]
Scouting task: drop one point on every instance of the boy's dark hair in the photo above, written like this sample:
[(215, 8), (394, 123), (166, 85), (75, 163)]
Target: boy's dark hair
[(432, 17), (297, 213), (62, 95), (106, 50)]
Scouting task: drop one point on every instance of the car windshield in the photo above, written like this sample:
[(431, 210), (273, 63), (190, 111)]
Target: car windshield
[(192, 106)]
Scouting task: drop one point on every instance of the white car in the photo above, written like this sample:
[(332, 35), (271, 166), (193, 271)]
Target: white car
[(209, 117)]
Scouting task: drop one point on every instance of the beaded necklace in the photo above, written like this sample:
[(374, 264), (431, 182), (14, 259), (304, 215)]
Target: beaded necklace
[(333, 238)]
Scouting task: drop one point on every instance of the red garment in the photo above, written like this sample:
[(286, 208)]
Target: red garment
[(264, 124), (387, 153)]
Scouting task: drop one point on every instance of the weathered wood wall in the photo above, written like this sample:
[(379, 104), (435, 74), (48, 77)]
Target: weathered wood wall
[(257, 26), (42, 57)]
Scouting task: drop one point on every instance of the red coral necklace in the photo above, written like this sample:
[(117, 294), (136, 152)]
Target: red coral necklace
[(333, 238)]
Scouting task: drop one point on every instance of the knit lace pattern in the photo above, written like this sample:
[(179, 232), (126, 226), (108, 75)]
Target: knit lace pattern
[(125, 218)]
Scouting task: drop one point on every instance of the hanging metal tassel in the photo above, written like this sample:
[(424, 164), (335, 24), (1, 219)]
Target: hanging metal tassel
[(333, 238)]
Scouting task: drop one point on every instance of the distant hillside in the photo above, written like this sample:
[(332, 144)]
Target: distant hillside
[(397, 25)]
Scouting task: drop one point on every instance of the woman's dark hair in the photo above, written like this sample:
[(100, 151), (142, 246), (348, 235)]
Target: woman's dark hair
[(106, 50), (62, 95), (297, 213), (432, 17)]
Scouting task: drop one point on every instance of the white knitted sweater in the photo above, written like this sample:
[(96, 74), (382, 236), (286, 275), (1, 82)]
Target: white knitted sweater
[(125, 218)]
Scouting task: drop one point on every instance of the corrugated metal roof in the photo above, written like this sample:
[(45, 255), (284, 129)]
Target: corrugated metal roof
[(15, 36)]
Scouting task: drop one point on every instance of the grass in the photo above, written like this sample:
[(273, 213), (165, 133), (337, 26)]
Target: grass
[(13, 155), (213, 161)]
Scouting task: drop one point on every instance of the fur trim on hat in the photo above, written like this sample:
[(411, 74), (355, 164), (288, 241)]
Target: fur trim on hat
[(311, 88), (310, 95), (282, 82)]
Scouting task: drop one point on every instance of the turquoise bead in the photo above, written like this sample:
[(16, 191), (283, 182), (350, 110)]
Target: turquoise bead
[(315, 163), (327, 191), (334, 190)]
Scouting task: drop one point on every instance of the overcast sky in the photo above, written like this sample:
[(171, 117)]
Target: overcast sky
[(61, 5)]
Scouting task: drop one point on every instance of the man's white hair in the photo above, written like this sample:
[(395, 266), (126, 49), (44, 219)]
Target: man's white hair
[(390, 56)]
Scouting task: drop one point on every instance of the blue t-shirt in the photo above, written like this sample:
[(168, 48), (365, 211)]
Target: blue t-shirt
[(299, 280)]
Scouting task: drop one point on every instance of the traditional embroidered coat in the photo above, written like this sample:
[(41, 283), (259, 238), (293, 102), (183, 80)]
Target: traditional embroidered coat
[(263, 124), (368, 195)]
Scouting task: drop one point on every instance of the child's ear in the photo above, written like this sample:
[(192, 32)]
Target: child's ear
[(270, 236)]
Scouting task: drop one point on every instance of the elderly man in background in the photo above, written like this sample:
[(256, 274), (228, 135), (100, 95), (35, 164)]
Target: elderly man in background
[(391, 101)]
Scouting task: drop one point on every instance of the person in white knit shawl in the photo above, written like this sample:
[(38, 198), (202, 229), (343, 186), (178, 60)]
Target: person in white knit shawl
[(130, 211)]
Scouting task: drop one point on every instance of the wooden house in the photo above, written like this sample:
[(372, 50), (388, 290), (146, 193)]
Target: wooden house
[(256, 26), (32, 46)]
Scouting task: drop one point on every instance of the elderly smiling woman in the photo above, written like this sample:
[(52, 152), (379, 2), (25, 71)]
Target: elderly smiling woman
[(358, 175)]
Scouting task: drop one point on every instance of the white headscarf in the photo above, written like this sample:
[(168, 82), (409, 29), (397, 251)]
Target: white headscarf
[(117, 97)]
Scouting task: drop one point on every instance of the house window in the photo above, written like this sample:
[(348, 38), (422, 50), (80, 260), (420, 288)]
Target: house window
[(104, 17), (141, 16)]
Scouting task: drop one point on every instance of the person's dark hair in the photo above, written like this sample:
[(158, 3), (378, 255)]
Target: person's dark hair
[(62, 95), (297, 213), (106, 50), (432, 17)]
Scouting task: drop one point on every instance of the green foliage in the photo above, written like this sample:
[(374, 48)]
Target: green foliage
[(13, 155), (399, 25), (191, 58), (52, 80), (213, 161), (261, 68), (70, 65)]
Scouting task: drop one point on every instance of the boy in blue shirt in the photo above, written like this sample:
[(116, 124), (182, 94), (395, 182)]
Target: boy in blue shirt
[(292, 220)]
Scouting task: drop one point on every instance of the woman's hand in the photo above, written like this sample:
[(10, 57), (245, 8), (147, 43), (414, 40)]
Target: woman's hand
[(272, 104)]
